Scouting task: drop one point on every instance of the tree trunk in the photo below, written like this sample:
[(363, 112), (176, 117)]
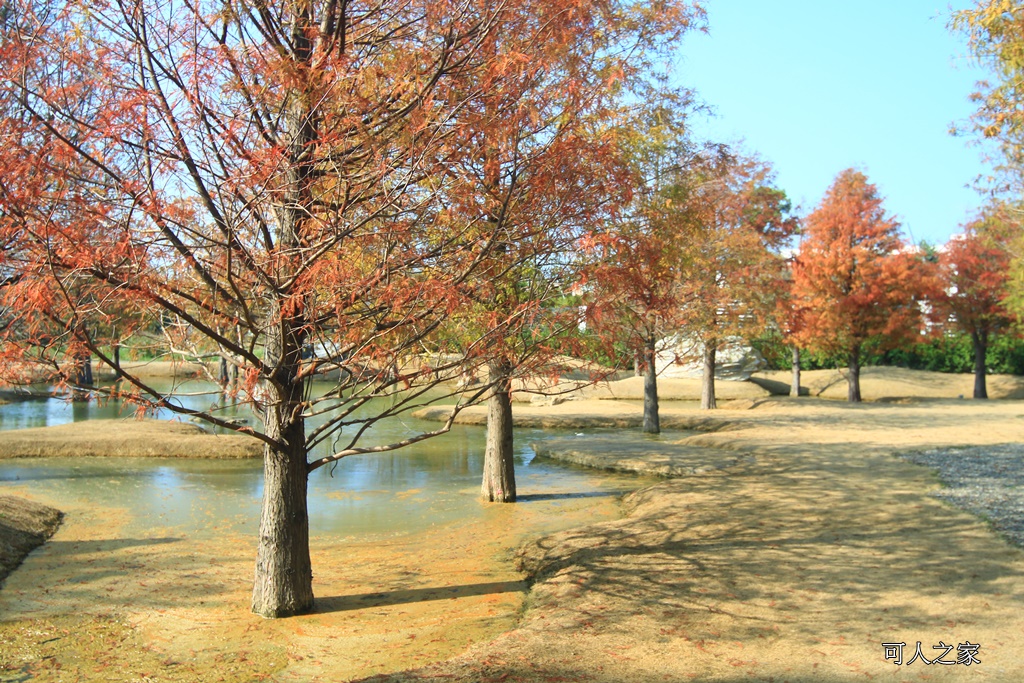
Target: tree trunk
[(980, 342), (83, 378), (707, 383), (284, 576), (499, 480), (652, 421), (794, 388), (853, 381), (283, 584)]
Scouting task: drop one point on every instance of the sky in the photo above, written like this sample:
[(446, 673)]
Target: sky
[(817, 86)]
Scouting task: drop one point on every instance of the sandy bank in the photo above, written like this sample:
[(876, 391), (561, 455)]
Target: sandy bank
[(585, 414), (625, 452), (671, 389), (24, 525), (158, 368), (125, 438)]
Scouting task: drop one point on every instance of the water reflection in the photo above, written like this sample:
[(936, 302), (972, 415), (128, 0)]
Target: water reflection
[(204, 396), (38, 410)]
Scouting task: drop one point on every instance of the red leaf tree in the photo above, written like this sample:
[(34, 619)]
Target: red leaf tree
[(697, 255), (263, 183), (854, 278), (733, 269), (542, 170), (973, 274), (635, 296)]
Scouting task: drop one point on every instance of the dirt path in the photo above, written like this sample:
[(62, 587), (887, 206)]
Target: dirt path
[(793, 566)]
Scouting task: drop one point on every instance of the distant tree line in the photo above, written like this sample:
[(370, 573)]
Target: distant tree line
[(949, 352)]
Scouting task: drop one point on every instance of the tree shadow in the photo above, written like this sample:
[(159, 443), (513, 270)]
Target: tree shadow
[(777, 387), (344, 603), (67, 576), (570, 495), (837, 543), (108, 545), (493, 671)]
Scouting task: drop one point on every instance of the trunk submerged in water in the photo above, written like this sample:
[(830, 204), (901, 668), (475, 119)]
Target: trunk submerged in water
[(652, 420), (83, 378), (499, 478)]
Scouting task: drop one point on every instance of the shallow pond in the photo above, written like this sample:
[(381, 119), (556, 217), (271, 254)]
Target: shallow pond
[(430, 483)]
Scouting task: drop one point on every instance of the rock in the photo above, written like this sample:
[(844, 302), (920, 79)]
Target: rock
[(542, 400), (683, 357)]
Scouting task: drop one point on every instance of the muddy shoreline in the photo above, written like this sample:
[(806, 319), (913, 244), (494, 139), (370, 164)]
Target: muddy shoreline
[(24, 526)]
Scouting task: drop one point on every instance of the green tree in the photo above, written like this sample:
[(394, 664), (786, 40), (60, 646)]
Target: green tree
[(995, 33)]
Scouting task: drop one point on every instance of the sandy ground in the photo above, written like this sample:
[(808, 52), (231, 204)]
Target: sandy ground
[(891, 383), (125, 438), (788, 547), (669, 389), (795, 560), (110, 598)]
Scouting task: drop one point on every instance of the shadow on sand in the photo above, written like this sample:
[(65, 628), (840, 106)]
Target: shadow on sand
[(343, 603)]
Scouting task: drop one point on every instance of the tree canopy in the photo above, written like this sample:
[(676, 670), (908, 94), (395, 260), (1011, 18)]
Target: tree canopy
[(854, 279), (294, 188), (995, 34)]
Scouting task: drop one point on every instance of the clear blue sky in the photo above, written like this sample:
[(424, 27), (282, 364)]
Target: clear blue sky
[(816, 86)]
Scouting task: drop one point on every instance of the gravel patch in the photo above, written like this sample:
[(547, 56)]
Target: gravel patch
[(985, 480)]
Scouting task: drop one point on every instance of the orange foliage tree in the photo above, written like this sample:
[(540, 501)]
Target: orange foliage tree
[(973, 274), (633, 276), (854, 279), (696, 256), (273, 184), (733, 270), (543, 170)]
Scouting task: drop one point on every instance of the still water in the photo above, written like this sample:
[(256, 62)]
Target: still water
[(431, 483)]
